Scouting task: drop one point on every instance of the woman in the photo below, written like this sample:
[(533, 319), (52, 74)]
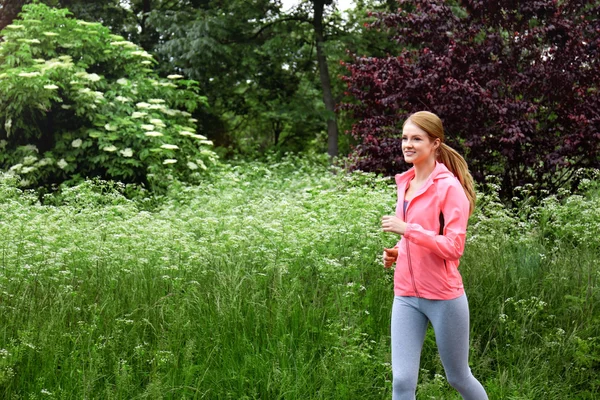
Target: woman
[(435, 199)]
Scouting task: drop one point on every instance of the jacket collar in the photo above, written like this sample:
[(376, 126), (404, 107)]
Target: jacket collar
[(440, 171)]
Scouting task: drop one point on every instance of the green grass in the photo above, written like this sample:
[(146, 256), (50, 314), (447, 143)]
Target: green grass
[(266, 283)]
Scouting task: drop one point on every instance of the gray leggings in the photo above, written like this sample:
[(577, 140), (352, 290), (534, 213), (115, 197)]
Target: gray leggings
[(450, 321)]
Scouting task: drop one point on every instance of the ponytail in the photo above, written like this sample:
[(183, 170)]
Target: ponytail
[(432, 125), (458, 166)]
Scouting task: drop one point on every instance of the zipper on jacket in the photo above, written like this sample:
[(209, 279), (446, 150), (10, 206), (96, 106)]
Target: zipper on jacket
[(412, 276)]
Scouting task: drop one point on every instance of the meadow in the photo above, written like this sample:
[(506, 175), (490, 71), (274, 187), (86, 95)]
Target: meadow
[(265, 282)]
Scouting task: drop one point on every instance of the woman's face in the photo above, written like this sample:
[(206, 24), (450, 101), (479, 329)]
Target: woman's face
[(417, 147)]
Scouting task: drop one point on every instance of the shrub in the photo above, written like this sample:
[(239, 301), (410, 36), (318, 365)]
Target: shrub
[(77, 101), (515, 83)]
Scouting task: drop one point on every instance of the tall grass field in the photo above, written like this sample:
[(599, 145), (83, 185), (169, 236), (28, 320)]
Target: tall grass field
[(266, 282)]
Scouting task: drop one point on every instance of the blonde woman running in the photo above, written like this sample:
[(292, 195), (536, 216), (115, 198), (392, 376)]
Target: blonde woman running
[(435, 199)]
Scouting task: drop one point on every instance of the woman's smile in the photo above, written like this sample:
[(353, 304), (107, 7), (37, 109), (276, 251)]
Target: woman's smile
[(417, 146)]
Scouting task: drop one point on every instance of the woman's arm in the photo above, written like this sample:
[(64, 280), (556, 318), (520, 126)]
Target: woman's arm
[(450, 245)]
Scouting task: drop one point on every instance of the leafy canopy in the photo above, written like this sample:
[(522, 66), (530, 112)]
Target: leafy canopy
[(77, 101), (516, 84)]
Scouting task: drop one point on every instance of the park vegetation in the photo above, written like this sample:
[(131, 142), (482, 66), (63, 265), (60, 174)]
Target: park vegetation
[(516, 84), (265, 282), (174, 225)]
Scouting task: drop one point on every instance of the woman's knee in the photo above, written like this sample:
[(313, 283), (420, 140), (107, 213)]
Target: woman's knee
[(404, 385), (460, 381)]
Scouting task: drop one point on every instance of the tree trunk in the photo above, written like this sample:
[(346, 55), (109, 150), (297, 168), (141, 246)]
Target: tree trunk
[(332, 128), (145, 40), (9, 9)]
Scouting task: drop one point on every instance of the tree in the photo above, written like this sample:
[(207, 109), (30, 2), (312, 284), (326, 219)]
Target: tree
[(77, 101), (515, 83), (260, 67), (332, 127), (248, 61), (229, 50)]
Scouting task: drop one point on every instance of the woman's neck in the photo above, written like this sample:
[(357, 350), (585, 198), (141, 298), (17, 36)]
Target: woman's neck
[(423, 170)]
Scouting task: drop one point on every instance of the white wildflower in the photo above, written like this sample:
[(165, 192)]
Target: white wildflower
[(174, 76), (169, 161), (109, 127), (137, 114), (169, 146), (201, 164), (168, 111), (28, 160), (62, 163), (192, 165), (92, 77), (44, 161), (166, 84), (126, 152), (110, 148), (142, 53), (153, 133), (50, 87), (148, 127), (157, 122), (76, 143), (29, 74)]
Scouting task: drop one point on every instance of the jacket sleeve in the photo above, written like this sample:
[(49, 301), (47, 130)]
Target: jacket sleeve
[(451, 244)]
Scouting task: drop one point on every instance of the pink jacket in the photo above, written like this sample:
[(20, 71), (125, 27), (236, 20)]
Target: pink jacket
[(427, 263)]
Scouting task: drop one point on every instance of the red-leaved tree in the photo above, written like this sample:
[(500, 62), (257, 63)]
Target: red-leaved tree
[(516, 84)]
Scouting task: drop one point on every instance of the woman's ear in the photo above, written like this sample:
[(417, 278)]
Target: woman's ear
[(437, 143)]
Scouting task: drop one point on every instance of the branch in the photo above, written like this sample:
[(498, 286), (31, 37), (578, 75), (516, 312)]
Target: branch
[(298, 18)]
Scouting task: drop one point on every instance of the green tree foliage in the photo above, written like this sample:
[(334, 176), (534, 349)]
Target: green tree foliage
[(77, 101), (254, 63), (254, 60)]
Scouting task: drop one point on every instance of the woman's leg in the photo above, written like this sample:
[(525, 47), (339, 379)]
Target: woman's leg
[(408, 332), (450, 321)]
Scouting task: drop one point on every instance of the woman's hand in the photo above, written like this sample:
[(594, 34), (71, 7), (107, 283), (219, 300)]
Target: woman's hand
[(391, 223), (389, 257)]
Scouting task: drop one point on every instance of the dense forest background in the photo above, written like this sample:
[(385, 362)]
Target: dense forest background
[(515, 84), (271, 76)]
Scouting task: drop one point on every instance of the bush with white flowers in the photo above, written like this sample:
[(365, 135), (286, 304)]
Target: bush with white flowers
[(77, 101)]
